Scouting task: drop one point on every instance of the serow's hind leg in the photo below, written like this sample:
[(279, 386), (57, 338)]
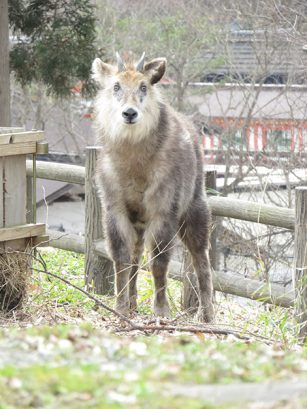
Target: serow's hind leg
[(195, 235), (202, 268)]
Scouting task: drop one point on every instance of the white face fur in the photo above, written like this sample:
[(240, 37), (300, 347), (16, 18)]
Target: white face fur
[(127, 106)]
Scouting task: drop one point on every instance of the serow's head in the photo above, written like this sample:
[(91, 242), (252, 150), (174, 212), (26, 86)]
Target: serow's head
[(128, 90)]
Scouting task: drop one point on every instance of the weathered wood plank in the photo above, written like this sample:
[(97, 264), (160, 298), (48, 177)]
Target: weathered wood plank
[(22, 231), (29, 207), (20, 137), (40, 241), (99, 273), (15, 195), (300, 257), (17, 148), (5, 139), (6, 133), (15, 190), (10, 129), (29, 136)]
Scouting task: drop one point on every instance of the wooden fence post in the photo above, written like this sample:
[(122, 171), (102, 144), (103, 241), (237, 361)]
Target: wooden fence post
[(211, 190), (17, 237), (99, 274), (300, 257), (190, 295)]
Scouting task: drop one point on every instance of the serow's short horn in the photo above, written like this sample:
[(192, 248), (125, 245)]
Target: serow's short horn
[(140, 64), (120, 63)]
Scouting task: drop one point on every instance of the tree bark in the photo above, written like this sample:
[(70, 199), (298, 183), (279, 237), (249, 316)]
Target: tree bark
[(5, 99), (300, 257)]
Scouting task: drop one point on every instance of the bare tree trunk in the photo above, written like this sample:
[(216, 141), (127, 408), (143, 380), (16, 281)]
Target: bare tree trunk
[(300, 256), (5, 114), (180, 90), (180, 98)]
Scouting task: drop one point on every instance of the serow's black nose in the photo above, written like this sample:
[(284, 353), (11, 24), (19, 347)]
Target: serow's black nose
[(130, 115)]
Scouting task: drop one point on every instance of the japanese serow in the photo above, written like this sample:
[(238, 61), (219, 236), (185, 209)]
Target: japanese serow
[(150, 180)]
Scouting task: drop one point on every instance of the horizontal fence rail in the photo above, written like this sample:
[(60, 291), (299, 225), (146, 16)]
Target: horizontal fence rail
[(220, 206), (229, 282), (252, 211), (57, 171)]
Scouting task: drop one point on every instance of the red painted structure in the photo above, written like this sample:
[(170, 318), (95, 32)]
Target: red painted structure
[(256, 136)]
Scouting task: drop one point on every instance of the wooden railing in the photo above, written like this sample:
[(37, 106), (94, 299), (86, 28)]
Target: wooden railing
[(98, 266), (220, 206)]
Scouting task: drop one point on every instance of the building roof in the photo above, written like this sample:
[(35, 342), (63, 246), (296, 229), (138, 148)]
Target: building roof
[(258, 55), (267, 103)]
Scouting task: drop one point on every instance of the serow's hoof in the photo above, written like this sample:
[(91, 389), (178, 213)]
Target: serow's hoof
[(205, 314), (122, 309), (162, 311), (133, 305)]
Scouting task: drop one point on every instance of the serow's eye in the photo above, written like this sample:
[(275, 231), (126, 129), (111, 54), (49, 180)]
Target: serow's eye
[(143, 88), (116, 87)]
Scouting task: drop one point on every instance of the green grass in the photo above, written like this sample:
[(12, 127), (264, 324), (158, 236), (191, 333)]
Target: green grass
[(67, 265), (70, 266)]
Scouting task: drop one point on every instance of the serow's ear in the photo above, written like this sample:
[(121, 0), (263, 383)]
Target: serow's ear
[(155, 70), (101, 70)]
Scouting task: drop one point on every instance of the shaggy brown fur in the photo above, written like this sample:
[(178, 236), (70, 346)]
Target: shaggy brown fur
[(150, 180)]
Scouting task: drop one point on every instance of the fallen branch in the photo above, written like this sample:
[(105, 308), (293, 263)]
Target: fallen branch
[(192, 329)]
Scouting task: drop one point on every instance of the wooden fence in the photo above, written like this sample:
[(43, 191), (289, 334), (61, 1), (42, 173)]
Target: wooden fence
[(98, 261)]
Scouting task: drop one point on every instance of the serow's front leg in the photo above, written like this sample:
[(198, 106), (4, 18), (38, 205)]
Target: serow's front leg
[(122, 271), (132, 286), (138, 250), (159, 267), (121, 238), (162, 232)]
